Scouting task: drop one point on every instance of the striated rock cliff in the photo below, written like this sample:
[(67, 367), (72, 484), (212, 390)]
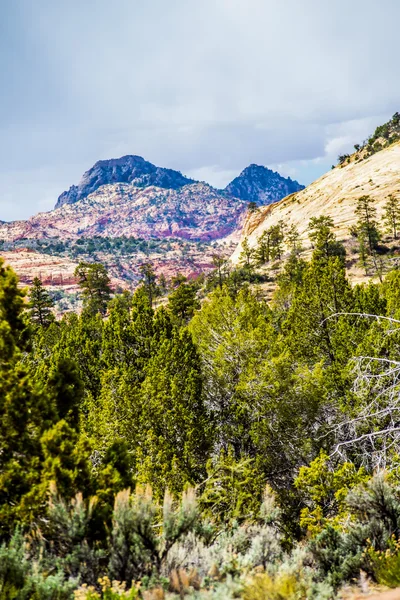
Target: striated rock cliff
[(334, 194)]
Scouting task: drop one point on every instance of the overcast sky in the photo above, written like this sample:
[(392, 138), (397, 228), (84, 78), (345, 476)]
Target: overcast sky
[(203, 86)]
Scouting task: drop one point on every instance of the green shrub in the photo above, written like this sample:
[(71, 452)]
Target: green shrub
[(281, 587), (386, 564)]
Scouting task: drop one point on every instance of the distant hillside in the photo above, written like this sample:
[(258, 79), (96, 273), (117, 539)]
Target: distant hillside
[(127, 169), (261, 185), (195, 212), (334, 194)]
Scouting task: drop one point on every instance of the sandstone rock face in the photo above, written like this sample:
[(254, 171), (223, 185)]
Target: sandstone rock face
[(53, 271), (334, 194), (261, 185), (194, 212), (127, 169)]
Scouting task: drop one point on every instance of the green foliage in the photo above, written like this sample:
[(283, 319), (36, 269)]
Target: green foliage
[(40, 304), (246, 255), (183, 302), (144, 532), (231, 491), (323, 239), (148, 277), (391, 215), (325, 491), (21, 579), (281, 587), (95, 285), (367, 225), (174, 422), (386, 565), (13, 325), (290, 405)]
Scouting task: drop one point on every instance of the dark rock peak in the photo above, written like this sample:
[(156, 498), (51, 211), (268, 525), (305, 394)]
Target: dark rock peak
[(261, 185), (127, 169)]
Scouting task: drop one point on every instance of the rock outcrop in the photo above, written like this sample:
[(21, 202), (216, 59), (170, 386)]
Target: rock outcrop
[(261, 185), (334, 194), (127, 169), (193, 212)]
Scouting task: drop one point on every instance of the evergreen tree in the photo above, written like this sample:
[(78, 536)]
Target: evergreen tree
[(162, 285), (175, 431), (219, 264), (292, 272), (40, 303), (277, 236), (363, 250), (367, 224), (148, 277), (323, 239), (128, 334), (391, 215), (95, 285), (182, 302), (262, 252), (233, 335), (246, 255), (14, 332), (25, 409), (293, 239), (311, 321)]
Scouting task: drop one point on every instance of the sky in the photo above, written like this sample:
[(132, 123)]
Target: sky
[(206, 87)]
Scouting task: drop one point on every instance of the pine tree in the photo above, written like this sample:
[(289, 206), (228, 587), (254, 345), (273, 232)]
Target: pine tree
[(128, 334), (40, 304), (148, 278), (312, 327), (219, 264), (162, 285), (25, 409), (252, 207), (246, 255), (183, 302), (14, 332), (263, 250), (323, 239), (95, 285), (175, 429), (392, 215), (367, 223), (277, 237), (293, 239)]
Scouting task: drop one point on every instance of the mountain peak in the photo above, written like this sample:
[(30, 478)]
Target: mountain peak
[(126, 169), (259, 184)]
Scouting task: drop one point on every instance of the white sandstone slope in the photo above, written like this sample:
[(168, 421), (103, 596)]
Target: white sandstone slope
[(334, 194)]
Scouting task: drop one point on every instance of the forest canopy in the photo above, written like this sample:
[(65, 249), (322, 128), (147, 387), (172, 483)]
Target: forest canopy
[(214, 445)]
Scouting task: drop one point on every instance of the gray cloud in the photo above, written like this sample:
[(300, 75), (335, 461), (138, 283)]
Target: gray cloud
[(205, 87)]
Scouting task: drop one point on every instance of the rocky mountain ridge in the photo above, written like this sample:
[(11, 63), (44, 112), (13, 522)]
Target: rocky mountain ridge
[(127, 169), (255, 183), (261, 185)]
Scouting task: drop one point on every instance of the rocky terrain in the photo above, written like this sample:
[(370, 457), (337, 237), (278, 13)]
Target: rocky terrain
[(127, 169), (125, 202), (54, 262), (131, 200), (196, 211), (261, 185), (334, 194)]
